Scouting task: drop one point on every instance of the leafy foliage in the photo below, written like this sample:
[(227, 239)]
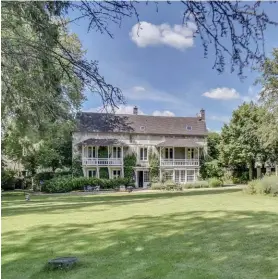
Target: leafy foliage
[(62, 184), (240, 145), (154, 166), (104, 173), (268, 130), (43, 66), (211, 169), (77, 167), (8, 179), (129, 164), (213, 142)]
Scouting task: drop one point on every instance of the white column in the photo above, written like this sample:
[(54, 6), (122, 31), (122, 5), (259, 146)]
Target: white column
[(83, 153), (97, 172), (122, 161), (276, 169), (160, 176), (173, 155)]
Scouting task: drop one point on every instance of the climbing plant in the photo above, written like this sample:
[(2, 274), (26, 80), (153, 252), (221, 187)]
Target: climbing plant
[(129, 164), (77, 167), (103, 173), (154, 166)]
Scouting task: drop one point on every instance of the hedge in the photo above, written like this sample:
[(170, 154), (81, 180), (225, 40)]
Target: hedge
[(64, 184)]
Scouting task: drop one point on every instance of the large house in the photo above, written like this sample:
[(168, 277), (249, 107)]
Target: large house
[(104, 139)]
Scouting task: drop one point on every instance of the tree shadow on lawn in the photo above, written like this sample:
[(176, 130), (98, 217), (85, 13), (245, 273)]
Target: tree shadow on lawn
[(196, 244), (56, 204)]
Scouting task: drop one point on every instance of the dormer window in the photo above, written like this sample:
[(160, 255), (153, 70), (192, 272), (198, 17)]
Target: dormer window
[(188, 128), (142, 128)]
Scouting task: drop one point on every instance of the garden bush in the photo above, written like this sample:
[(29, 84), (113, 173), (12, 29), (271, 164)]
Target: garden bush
[(215, 182), (62, 184), (266, 185), (197, 184), (158, 186), (167, 185)]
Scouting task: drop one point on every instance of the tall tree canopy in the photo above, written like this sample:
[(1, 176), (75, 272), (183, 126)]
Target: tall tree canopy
[(213, 142), (268, 131), (240, 145)]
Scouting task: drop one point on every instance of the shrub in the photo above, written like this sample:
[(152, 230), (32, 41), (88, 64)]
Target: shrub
[(266, 185), (158, 186), (215, 182), (197, 184), (8, 179), (62, 184)]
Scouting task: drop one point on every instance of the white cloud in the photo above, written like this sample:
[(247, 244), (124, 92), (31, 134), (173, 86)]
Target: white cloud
[(178, 36), (222, 93), (139, 88), (163, 113), (224, 119), (140, 93)]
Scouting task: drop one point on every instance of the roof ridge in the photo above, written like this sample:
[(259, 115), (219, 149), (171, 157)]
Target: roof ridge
[(136, 115)]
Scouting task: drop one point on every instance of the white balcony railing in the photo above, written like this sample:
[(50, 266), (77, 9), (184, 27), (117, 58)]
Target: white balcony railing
[(102, 162), (179, 162)]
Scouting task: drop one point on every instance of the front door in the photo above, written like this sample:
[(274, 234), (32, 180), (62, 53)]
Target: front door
[(140, 178)]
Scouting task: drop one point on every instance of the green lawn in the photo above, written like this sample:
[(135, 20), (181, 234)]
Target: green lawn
[(199, 234)]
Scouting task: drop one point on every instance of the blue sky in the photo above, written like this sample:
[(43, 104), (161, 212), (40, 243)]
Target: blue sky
[(163, 71)]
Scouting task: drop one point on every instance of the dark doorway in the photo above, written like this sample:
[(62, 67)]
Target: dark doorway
[(140, 178)]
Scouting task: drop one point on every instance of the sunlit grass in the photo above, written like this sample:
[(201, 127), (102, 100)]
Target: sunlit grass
[(199, 234)]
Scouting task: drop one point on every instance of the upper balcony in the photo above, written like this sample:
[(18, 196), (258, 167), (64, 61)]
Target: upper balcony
[(102, 152), (179, 162), (180, 153), (102, 161)]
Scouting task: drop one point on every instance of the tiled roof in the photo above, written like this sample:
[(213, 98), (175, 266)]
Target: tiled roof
[(180, 143), (140, 124), (102, 142)]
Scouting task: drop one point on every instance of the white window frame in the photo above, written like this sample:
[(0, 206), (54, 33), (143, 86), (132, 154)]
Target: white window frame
[(146, 176), (169, 151), (180, 176), (93, 171), (169, 175), (190, 177), (191, 153), (93, 152), (144, 153), (116, 152), (116, 174)]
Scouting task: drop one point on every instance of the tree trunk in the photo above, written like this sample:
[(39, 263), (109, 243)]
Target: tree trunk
[(250, 170)]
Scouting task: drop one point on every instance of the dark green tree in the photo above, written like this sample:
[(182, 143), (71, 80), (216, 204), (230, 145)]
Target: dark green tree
[(240, 145)]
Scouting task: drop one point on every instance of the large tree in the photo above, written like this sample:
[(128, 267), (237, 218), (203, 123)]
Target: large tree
[(43, 68), (268, 130), (240, 145)]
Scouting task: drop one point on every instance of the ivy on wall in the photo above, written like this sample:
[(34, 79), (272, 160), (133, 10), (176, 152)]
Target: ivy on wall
[(154, 166), (76, 167), (129, 164), (103, 173)]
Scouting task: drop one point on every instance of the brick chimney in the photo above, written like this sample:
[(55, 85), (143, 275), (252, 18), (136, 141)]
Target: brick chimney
[(135, 110), (203, 114)]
